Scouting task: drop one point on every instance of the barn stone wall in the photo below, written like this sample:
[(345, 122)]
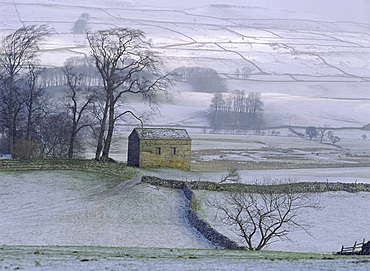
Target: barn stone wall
[(149, 156), (133, 150)]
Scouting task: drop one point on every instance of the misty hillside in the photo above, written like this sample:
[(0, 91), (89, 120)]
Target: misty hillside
[(303, 65)]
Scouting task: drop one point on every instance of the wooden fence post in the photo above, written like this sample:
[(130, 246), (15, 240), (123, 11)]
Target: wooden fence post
[(354, 247)]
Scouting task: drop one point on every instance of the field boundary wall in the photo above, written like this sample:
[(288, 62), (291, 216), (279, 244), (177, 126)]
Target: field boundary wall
[(216, 238), (112, 169), (301, 187)]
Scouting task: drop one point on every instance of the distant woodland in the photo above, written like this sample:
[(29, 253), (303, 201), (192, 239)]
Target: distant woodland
[(201, 79), (236, 111)]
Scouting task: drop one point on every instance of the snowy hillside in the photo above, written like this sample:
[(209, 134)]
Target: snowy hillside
[(75, 208), (270, 42), (300, 63)]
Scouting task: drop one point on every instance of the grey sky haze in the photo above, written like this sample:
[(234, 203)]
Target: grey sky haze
[(347, 10)]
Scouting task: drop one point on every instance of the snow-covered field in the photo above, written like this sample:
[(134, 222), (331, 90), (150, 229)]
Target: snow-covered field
[(68, 208)]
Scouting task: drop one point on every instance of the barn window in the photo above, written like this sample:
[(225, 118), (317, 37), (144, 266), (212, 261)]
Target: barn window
[(158, 150), (173, 151)]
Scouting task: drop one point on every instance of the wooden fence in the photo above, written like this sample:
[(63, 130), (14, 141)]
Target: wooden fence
[(355, 249)]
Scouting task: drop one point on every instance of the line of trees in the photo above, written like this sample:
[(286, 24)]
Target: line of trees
[(243, 73), (236, 111), (94, 97)]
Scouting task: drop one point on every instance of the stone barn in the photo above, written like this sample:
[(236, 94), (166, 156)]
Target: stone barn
[(159, 147)]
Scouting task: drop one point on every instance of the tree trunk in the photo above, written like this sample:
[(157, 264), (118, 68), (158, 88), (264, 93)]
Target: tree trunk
[(99, 147), (72, 140), (108, 140), (11, 115), (71, 143), (29, 118)]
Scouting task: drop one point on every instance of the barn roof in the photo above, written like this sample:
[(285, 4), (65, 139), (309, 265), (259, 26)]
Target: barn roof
[(162, 133)]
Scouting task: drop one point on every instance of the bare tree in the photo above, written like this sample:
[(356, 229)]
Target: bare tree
[(217, 107), (246, 71), (18, 50), (323, 131), (34, 99), (333, 138), (55, 140), (79, 98), (13, 107), (264, 217), (4, 115), (25, 150), (255, 103), (127, 66), (231, 176)]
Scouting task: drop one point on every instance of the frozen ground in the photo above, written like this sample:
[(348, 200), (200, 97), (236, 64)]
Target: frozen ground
[(93, 258), (78, 209)]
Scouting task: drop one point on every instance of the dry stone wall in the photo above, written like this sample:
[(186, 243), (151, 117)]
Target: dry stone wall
[(302, 187), (112, 169), (216, 238)]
